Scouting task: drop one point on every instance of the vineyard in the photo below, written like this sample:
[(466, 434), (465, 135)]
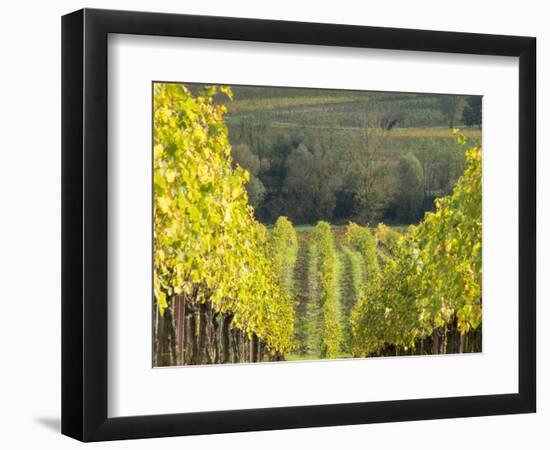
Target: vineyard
[(229, 289)]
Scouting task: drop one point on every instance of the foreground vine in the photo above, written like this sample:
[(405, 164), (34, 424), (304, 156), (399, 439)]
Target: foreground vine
[(429, 291), (215, 288)]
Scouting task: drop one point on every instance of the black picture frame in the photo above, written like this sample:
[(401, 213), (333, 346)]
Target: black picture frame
[(84, 224)]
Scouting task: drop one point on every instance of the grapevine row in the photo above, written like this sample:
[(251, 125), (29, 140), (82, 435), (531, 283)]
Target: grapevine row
[(213, 268), (429, 290), (332, 330)]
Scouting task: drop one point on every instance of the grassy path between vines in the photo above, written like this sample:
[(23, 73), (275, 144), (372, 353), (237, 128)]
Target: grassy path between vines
[(349, 277), (351, 282), (300, 293), (314, 312)]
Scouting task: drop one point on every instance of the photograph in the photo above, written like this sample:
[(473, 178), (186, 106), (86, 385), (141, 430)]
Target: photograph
[(304, 224)]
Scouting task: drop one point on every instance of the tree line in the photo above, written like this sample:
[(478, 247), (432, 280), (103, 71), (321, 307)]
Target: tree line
[(334, 155), (365, 175)]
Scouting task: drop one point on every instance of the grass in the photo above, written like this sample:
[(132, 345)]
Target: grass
[(442, 132), (352, 280), (314, 313), (300, 293), (263, 104), (310, 356)]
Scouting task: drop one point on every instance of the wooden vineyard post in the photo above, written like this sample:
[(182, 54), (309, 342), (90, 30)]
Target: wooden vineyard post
[(179, 314)]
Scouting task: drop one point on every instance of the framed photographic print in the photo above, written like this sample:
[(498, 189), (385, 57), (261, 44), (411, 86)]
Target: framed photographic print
[(274, 225)]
